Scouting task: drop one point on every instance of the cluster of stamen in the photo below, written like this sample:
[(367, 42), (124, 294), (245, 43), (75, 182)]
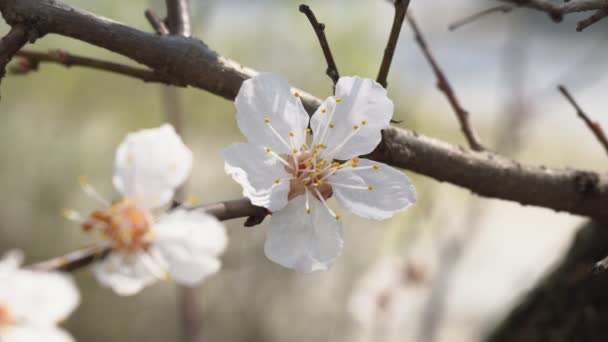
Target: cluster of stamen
[(311, 166), (123, 223)]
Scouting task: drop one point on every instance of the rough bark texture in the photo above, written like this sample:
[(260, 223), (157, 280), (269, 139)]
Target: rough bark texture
[(571, 303)]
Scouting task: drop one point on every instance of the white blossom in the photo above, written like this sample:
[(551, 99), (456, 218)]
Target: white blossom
[(33, 302), (183, 244), (292, 169)]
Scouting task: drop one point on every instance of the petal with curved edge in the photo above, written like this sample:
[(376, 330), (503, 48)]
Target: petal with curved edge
[(392, 191), (39, 297), (190, 242), (127, 274), (362, 112), (34, 333), (150, 164), (301, 241), (10, 262), (257, 172), (265, 103)]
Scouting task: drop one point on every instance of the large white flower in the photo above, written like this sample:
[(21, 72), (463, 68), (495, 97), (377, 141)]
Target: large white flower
[(183, 244), (33, 302), (292, 169)]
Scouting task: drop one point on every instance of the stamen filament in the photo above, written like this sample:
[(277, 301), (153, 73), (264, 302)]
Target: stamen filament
[(325, 203), (91, 192), (279, 158), (279, 136)]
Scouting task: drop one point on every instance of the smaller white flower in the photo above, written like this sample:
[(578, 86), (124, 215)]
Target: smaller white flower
[(183, 245), (33, 302), (292, 170)]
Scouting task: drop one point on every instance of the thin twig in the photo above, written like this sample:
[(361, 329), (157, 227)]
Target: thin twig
[(33, 58), (593, 126), (444, 85), (475, 16), (332, 68), (156, 22), (83, 257), (597, 16), (178, 18), (400, 11), (14, 40)]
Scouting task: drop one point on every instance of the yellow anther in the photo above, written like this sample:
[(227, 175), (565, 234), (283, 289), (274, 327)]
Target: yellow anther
[(304, 145), (308, 131), (294, 151), (83, 180), (193, 200), (308, 210), (268, 149), (376, 167), (355, 160), (70, 214), (296, 94), (338, 99), (277, 181), (337, 217), (370, 187), (318, 183), (335, 164), (355, 126), (323, 110), (317, 170), (267, 120), (292, 134), (331, 125), (364, 122)]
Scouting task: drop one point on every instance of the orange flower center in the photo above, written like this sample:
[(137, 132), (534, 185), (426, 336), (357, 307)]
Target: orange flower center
[(125, 224), (5, 316)]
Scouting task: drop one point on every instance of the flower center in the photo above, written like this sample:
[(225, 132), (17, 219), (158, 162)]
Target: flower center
[(125, 224), (6, 318)]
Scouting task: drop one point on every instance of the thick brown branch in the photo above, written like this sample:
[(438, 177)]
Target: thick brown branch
[(400, 11), (34, 58), (475, 16), (83, 257), (14, 40), (444, 85), (597, 16), (332, 68), (593, 126), (191, 61)]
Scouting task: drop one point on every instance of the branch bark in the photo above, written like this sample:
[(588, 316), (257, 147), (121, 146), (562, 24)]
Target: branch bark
[(557, 10), (14, 40), (400, 11), (191, 61)]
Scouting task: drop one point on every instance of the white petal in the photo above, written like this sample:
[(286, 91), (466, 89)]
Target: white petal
[(126, 274), (39, 297), (392, 190), (268, 95), (301, 241), (33, 333), (10, 262), (364, 104), (190, 242), (150, 164), (256, 171)]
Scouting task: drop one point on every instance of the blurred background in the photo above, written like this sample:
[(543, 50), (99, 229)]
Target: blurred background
[(448, 269)]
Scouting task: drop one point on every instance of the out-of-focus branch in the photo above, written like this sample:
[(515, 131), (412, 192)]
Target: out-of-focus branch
[(475, 16), (593, 126), (178, 17), (444, 85), (73, 261), (557, 10), (192, 62), (32, 59), (156, 22), (400, 11), (332, 68), (12, 42)]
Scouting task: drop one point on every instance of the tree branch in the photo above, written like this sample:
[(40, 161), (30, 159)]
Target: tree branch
[(400, 11), (34, 58), (178, 18), (444, 85), (557, 10), (475, 16), (14, 40), (157, 24), (332, 68), (593, 126), (73, 261), (487, 174)]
